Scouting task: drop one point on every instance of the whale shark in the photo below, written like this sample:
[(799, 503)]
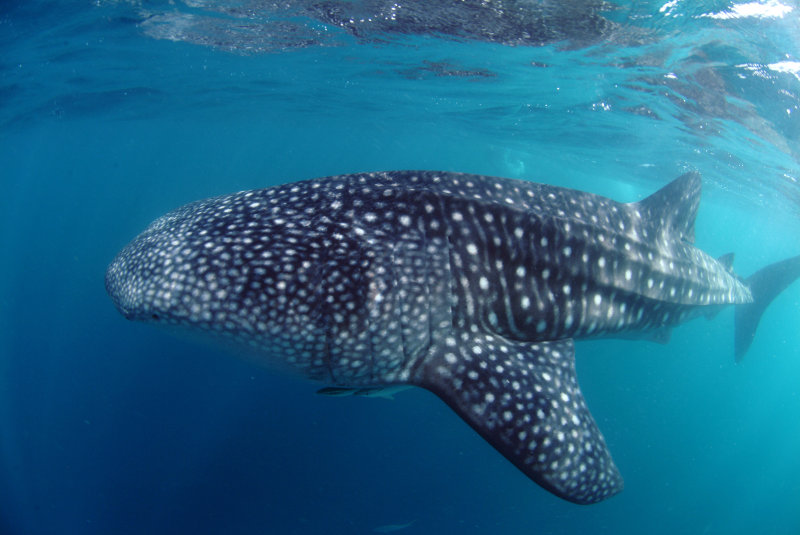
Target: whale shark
[(472, 287)]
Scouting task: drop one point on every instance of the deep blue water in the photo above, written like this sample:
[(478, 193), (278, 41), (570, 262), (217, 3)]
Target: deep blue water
[(114, 112)]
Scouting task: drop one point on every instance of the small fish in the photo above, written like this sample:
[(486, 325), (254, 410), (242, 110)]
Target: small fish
[(386, 392), (388, 528)]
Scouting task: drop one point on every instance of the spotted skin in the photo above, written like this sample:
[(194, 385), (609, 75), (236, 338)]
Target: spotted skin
[(473, 287)]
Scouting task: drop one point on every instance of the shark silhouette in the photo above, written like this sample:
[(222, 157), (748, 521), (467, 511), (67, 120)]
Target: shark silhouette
[(472, 287)]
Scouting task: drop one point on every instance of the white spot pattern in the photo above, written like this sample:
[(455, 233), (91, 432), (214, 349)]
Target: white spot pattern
[(355, 279)]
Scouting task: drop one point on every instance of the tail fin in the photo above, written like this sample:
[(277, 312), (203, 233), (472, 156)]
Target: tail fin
[(765, 284)]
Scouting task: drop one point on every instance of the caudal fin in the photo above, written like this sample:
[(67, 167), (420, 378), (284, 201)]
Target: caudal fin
[(765, 284)]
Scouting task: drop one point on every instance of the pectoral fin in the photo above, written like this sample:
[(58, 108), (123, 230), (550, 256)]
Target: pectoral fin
[(524, 399)]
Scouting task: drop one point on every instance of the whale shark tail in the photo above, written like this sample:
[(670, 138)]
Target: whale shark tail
[(765, 284)]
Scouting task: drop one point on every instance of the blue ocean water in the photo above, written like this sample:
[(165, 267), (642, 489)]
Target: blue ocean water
[(114, 112)]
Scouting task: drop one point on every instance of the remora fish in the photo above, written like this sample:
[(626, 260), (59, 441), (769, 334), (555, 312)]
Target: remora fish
[(472, 287)]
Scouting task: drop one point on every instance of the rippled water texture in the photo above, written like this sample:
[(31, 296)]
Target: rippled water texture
[(115, 112)]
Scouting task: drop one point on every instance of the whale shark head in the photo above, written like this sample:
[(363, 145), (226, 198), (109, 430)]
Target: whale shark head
[(271, 271), (146, 278)]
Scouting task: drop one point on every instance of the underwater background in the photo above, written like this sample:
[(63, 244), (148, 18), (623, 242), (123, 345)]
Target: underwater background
[(115, 112)]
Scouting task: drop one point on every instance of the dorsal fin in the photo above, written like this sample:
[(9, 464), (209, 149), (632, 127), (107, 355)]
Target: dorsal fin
[(673, 208), (727, 261)]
